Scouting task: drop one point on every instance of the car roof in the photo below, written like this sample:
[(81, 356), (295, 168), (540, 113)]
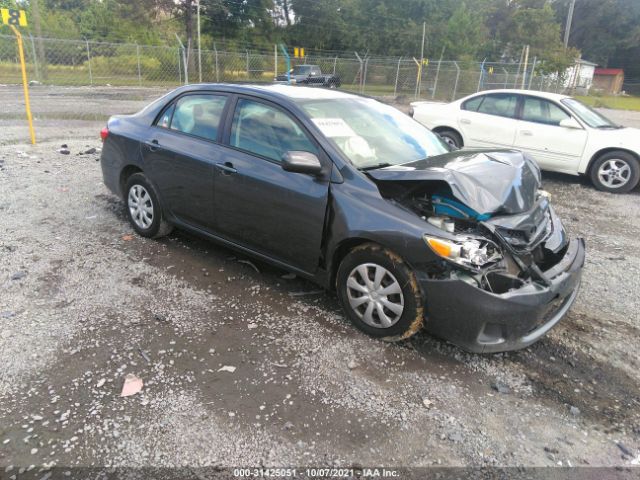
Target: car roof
[(288, 92), (534, 93)]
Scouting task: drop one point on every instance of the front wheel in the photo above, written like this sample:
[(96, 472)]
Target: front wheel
[(380, 293), (615, 172)]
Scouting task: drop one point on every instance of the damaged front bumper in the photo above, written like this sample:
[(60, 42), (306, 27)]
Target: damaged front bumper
[(480, 321)]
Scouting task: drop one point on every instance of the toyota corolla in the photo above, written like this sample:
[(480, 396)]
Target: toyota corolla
[(356, 196)]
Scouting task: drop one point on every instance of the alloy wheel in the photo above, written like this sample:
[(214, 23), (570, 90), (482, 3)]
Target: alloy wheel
[(614, 173)]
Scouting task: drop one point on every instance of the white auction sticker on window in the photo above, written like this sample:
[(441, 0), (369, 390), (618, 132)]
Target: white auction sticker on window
[(334, 127)]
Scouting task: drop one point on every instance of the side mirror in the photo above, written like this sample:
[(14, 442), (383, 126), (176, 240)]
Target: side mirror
[(301, 162), (570, 123)]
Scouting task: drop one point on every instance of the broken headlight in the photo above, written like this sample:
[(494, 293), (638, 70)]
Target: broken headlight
[(468, 252)]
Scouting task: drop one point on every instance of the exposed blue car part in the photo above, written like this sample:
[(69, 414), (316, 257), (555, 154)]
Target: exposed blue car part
[(450, 208)]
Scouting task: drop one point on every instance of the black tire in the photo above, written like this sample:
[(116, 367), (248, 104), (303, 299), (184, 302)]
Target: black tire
[(623, 160), (412, 316), (157, 225), (451, 137)]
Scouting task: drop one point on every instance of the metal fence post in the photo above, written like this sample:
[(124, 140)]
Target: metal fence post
[(139, 70), (395, 86), (364, 77), (506, 76), (35, 58), (247, 64), (89, 62), (481, 76), (335, 60), (455, 85), (185, 62), (275, 60), (179, 68), (215, 52), (360, 71), (533, 72), (435, 82)]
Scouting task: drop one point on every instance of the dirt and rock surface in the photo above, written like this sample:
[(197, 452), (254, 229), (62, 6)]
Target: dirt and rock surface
[(84, 302)]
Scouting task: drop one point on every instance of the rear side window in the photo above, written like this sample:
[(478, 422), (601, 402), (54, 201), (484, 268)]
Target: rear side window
[(499, 104), (473, 104), (267, 131), (197, 115), (542, 111)]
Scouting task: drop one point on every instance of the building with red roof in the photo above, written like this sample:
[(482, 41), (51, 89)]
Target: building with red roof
[(608, 80)]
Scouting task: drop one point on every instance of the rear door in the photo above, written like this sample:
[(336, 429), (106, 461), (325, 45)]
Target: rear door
[(539, 133), (489, 120), (258, 204), (181, 154)]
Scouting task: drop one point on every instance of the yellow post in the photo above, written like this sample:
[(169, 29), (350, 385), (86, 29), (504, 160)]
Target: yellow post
[(25, 83)]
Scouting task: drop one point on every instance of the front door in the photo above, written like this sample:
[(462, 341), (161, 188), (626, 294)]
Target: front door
[(258, 204), (539, 134)]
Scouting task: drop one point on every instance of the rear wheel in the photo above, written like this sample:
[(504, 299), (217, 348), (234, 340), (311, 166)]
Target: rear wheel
[(615, 172), (451, 138), (379, 293), (143, 208)]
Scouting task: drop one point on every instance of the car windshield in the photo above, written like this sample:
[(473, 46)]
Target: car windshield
[(588, 115), (371, 134), (301, 70)]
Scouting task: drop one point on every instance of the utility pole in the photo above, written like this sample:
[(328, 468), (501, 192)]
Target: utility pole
[(199, 46), (567, 27), (424, 31)]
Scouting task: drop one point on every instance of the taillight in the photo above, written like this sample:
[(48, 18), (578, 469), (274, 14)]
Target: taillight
[(104, 133)]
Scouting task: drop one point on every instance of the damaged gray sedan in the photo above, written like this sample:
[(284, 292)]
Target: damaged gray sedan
[(357, 197)]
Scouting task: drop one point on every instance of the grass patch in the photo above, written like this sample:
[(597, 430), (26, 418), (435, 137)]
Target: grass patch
[(617, 103)]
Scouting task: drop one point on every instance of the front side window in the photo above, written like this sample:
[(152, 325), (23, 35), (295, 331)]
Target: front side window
[(267, 131), (539, 110), (499, 104), (370, 133), (198, 115)]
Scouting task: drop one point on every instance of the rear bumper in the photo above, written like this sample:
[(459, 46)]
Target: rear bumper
[(484, 322)]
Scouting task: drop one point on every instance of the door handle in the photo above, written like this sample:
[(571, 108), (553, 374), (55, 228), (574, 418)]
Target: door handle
[(152, 144), (526, 133), (465, 121), (226, 168)]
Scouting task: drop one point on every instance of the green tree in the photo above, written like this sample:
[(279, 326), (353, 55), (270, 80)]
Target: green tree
[(465, 34)]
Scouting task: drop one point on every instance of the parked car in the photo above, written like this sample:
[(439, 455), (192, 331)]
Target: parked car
[(358, 197), (559, 132), (309, 75)]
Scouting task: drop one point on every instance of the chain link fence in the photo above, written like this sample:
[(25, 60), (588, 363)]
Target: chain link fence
[(79, 62)]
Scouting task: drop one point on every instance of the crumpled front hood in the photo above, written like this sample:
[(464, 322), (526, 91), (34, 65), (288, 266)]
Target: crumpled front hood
[(488, 181)]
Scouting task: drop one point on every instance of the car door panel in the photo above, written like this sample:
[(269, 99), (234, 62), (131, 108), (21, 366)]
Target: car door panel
[(539, 134), (493, 124), (270, 211), (261, 206), (183, 169)]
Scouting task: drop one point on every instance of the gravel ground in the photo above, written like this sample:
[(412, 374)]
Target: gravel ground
[(84, 302)]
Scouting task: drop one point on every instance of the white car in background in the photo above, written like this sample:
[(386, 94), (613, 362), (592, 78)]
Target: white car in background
[(560, 133)]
